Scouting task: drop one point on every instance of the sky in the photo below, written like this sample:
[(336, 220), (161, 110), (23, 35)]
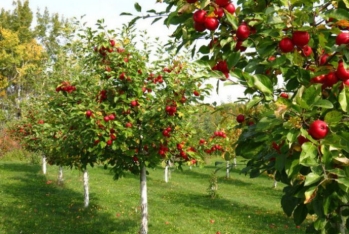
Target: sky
[(110, 11)]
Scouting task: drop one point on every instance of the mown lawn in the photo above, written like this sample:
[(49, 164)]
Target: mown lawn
[(31, 202)]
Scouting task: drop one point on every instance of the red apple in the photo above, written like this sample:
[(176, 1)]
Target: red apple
[(331, 79), (284, 95), (318, 129), (342, 38), (112, 43), (111, 117), (239, 47), (88, 113), (222, 3), (271, 58), (134, 103), (180, 146), (200, 27), (230, 8), (128, 125), (199, 16), (342, 73), (106, 118), (41, 121), (323, 59), (211, 23), (109, 142), (301, 140), (286, 45), (112, 136), (196, 93), (243, 32), (122, 76), (300, 38), (219, 12), (165, 133), (346, 83), (240, 118), (307, 50), (320, 79)]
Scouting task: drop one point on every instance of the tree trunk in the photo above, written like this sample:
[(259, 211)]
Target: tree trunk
[(60, 175), (228, 170), (144, 201), (234, 160), (275, 184), (44, 164), (166, 172), (86, 189)]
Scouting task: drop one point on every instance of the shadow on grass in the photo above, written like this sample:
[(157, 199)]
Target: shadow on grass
[(256, 218), (35, 205)]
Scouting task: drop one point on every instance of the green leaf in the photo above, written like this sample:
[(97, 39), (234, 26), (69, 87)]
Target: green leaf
[(280, 162), (231, 19), (248, 150), (333, 117), (266, 48), (264, 84), (204, 3), (323, 103), (309, 154), (138, 7), (268, 123), (310, 194), (253, 102), (306, 97), (343, 99), (255, 173), (330, 203), (233, 59), (344, 181), (156, 19), (300, 213), (125, 13), (312, 178), (292, 168), (288, 204)]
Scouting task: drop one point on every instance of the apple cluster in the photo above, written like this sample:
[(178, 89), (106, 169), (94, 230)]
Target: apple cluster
[(219, 134), (299, 39), (171, 109), (65, 86), (210, 20), (222, 66)]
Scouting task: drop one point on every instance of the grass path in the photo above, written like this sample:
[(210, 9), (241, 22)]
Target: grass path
[(31, 202)]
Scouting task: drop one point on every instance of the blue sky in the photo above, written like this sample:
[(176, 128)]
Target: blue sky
[(110, 11)]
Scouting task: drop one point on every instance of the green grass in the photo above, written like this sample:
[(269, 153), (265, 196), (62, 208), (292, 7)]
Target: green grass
[(31, 202)]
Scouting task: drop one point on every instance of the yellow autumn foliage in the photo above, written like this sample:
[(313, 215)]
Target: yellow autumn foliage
[(17, 60)]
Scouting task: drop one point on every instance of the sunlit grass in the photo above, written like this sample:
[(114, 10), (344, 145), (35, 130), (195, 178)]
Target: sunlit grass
[(31, 202)]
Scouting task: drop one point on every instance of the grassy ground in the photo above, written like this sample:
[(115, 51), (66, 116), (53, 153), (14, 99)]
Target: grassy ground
[(31, 202)]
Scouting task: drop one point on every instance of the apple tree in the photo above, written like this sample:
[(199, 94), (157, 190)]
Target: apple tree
[(127, 108), (291, 57)]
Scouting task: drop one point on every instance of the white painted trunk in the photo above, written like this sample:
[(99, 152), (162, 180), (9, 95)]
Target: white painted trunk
[(86, 189), (60, 175), (190, 167), (275, 183), (228, 170), (144, 201), (166, 174), (44, 165), (234, 160)]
